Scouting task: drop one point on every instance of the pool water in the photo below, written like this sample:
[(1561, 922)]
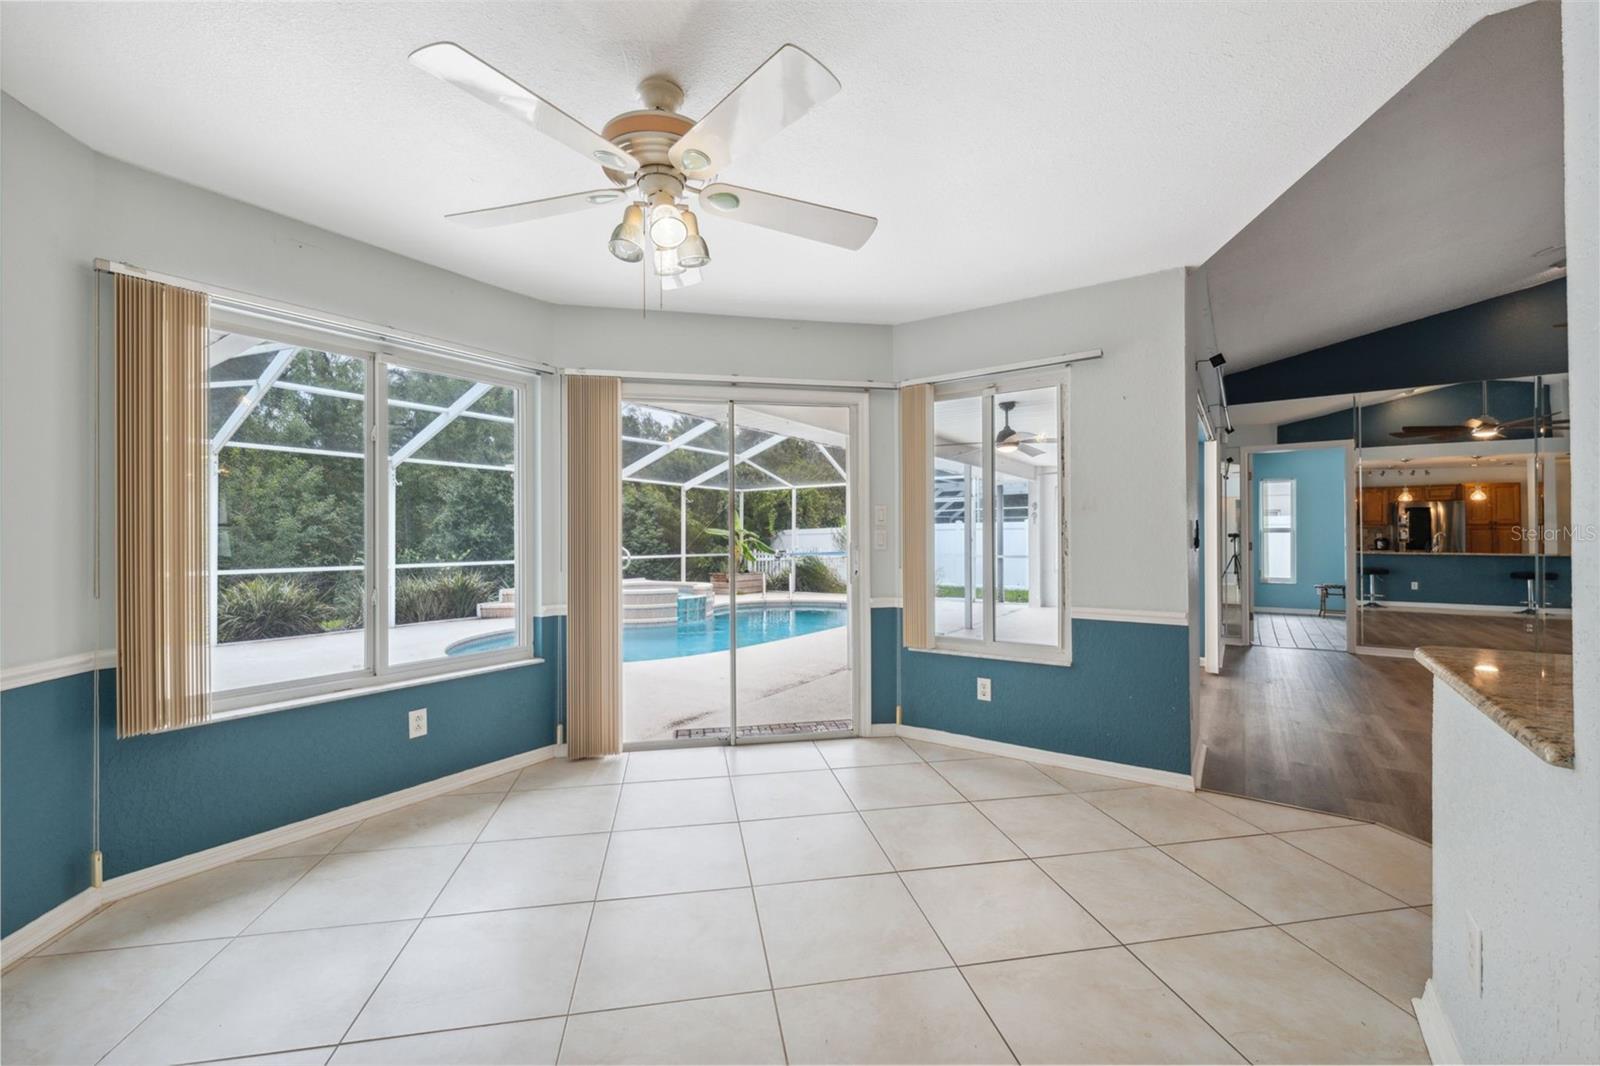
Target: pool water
[(697, 636)]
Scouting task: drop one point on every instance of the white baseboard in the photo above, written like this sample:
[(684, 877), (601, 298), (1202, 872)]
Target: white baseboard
[(54, 922), (1437, 1034), (1142, 774)]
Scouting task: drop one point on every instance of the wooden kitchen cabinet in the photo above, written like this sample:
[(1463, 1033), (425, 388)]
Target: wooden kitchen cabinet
[(1375, 507), (1441, 492), (1507, 500), (1492, 523)]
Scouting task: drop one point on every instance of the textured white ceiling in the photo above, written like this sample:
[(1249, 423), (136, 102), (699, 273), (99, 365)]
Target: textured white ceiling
[(1009, 149), (1450, 194)]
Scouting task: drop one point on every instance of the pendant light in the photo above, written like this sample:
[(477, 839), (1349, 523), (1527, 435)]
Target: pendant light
[(627, 240), (693, 253), (1477, 495), (1405, 495)]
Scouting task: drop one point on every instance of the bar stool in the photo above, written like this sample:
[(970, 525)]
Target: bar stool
[(1530, 576), (1531, 606), (1372, 574)]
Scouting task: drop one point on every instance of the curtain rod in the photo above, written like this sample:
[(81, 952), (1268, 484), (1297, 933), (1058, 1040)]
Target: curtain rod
[(1007, 368), (264, 307), (669, 377)]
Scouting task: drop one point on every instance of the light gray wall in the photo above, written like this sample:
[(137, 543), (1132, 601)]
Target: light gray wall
[(65, 205), (1130, 426), (1516, 841)]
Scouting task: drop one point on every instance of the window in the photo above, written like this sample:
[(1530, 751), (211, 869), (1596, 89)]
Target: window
[(1277, 531), (350, 545), (998, 501)]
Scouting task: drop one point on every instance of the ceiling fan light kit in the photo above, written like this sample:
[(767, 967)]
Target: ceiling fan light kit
[(658, 158)]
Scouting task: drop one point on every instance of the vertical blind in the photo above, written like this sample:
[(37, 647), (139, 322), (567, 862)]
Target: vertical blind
[(916, 510), (163, 552), (594, 566)]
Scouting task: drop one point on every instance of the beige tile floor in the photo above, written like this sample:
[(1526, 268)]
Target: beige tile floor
[(862, 900)]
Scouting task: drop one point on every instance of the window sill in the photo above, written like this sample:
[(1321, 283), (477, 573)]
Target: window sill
[(366, 687)]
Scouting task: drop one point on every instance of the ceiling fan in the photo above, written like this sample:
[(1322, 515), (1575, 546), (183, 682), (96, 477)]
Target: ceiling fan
[(1006, 439), (654, 159), (1485, 426)]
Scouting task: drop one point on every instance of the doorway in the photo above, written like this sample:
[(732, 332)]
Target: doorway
[(740, 613), (1298, 547)]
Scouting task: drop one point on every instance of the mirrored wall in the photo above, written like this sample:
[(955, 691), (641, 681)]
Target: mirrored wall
[(1462, 514)]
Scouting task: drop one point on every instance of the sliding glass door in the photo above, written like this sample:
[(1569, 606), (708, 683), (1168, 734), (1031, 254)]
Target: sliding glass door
[(738, 569)]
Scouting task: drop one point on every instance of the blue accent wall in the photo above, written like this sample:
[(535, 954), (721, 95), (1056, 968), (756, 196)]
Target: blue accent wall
[(46, 774), (171, 794), (1125, 698), (1508, 336), (1319, 500), (1447, 406), (1477, 579)]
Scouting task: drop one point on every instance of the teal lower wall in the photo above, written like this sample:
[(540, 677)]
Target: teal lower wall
[(885, 664), (1125, 698), (173, 794), (46, 775), (1484, 580)]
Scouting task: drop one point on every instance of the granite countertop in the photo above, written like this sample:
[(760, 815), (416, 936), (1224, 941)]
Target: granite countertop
[(1529, 694)]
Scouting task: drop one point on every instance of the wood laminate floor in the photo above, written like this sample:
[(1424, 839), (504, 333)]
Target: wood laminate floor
[(1305, 631), (1346, 734), (1393, 627)]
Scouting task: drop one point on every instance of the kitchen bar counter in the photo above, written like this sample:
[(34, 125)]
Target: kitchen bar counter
[(1528, 694), (1472, 555)]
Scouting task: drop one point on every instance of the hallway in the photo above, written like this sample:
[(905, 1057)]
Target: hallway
[(1348, 734)]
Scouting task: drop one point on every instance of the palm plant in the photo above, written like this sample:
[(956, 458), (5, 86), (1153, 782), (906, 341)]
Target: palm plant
[(745, 542)]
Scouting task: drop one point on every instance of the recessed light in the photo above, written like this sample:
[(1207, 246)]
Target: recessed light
[(724, 201), (695, 159)]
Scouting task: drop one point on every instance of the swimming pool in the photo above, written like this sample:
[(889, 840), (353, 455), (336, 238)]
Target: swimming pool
[(696, 636)]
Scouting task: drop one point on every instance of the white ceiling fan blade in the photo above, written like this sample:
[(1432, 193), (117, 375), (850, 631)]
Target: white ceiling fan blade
[(845, 229), (774, 96), (533, 210), (450, 62)]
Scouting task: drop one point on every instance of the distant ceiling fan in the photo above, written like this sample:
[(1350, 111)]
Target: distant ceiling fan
[(655, 158), (1485, 426), (1006, 439)]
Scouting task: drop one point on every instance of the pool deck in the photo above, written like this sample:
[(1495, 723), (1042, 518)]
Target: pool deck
[(266, 662), (799, 679)]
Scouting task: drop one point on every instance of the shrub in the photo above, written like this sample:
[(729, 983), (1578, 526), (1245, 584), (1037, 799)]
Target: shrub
[(813, 575), (261, 608), (440, 595)]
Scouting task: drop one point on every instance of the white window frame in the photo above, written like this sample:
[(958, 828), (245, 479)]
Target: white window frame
[(1294, 530), (377, 673), (986, 388)]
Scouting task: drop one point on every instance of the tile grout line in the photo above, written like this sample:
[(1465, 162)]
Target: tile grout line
[(387, 970), (594, 905), (900, 876), (230, 941), (755, 904)]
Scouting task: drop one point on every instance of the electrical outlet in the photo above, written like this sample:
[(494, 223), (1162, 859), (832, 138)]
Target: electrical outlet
[(418, 723), (1474, 955), (983, 689), (1415, 585)]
